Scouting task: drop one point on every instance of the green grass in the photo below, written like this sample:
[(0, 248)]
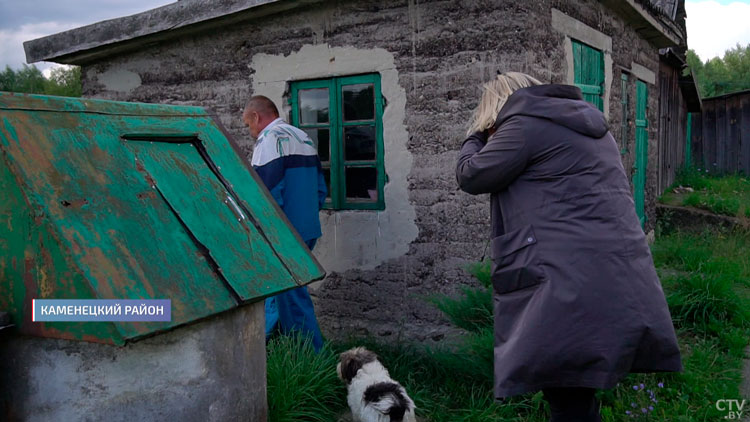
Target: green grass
[(302, 385), (706, 278), (728, 195)]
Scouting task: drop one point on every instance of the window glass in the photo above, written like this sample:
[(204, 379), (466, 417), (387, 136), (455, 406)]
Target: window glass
[(361, 183), (321, 139), (327, 175), (313, 106), (358, 102), (359, 143)]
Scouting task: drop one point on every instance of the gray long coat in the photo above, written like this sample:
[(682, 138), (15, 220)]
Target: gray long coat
[(577, 301)]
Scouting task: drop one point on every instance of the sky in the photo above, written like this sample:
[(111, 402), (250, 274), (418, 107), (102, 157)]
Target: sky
[(23, 20), (713, 25), (716, 26)]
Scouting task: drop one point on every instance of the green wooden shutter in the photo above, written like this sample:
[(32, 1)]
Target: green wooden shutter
[(641, 150), (588, 65)]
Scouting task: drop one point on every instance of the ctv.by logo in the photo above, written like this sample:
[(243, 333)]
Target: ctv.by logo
[(732, 407)]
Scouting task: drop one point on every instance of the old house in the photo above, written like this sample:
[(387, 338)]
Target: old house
[(385, 88)]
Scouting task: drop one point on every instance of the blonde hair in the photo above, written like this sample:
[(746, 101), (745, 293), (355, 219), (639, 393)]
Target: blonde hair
[(494, 95)]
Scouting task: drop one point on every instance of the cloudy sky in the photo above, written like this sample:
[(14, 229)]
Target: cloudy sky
[(713, 25), (23, 20)]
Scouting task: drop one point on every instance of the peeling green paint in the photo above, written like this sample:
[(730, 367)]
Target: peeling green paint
[(89, 212)]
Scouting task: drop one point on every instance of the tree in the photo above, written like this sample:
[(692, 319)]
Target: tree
[(30, 80), (725, 75), (64, 81)]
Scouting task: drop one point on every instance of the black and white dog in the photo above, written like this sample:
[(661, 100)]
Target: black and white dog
[(372, 395)]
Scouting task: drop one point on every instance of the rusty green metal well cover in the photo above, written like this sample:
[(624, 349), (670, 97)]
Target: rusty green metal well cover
[(113, 200)]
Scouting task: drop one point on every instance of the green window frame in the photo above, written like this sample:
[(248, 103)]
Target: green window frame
[(343, 110), (588, 65)]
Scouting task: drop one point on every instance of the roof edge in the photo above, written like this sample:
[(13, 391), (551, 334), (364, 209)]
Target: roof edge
[(80, 45), (724, 96), (654, 29)]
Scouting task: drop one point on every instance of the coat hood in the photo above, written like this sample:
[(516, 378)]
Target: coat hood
[(561, 104)]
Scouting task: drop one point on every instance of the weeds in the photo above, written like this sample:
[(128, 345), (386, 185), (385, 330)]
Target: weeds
[(302, 385), (707, 302), (728, 195), (708, 292)]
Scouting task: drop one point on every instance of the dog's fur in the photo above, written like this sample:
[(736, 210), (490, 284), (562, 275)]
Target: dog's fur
[(372, 395)]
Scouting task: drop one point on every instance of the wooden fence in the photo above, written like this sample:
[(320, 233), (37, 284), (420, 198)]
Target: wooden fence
[(720, 134)]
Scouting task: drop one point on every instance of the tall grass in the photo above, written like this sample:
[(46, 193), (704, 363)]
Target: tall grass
[(706, 278), (707, 302), (302, 385), (727, 195)]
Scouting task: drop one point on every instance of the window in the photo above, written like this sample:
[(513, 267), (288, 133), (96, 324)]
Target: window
[(343, 117), (588, 64)]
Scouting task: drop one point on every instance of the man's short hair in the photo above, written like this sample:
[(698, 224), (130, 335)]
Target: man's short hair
[(262, 105)]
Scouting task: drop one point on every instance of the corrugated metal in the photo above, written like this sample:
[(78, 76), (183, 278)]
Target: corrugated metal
[(112, 200)]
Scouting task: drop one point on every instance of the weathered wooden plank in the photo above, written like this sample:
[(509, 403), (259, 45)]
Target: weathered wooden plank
[(722, 131), (733, 139), (34, 264), (105, 232), (699, 154), (206, 208), (745, 135), (249, 189), (709, 137)]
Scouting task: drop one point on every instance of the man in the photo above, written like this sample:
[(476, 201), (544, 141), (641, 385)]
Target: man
[(287, 161)]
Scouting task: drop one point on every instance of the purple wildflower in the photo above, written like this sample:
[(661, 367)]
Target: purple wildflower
[(661, 385), (635, 387), (644, 410)]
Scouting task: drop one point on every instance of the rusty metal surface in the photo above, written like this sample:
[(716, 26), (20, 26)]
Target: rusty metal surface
[(87, 213)]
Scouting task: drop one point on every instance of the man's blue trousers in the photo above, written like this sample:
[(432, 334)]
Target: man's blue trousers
[(293, 312)]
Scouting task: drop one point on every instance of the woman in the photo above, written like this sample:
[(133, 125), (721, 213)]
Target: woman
[(577, 301)]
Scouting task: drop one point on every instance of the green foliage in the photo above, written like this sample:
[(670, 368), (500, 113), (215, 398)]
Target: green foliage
[(708, 269), (719, 76), (454, 385), (472, 310), (692, 177), (482, 271), (725, 255), (728, 195), (30, 80), (64, 82), (302, 385), (706, 302), (708, 287)]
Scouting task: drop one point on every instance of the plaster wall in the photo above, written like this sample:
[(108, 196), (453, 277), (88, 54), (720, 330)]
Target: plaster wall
[(214, 370), (433, 57), (353, 239)]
